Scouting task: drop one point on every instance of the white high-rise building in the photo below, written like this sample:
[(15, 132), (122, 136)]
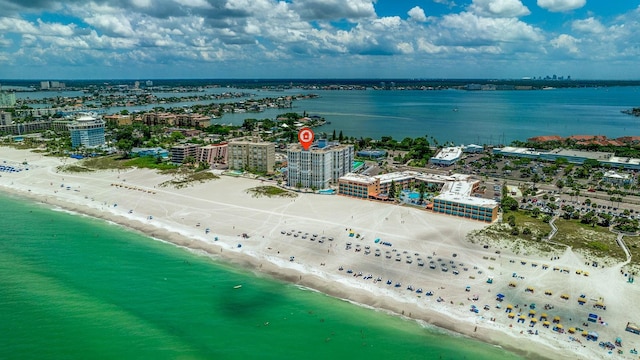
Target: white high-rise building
[(322, 165)]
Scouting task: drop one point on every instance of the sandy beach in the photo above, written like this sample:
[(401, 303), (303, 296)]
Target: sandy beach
[(385, 256)]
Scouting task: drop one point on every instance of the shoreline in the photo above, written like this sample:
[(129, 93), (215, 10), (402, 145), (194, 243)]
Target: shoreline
[(266, 251)]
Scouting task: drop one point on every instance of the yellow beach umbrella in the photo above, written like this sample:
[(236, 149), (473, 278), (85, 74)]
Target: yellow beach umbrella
[(534, 320), (572, 330), (559, 326), (511, 315)]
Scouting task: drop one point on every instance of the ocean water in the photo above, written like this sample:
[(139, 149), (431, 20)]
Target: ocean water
[(74, 287), (461, 117)]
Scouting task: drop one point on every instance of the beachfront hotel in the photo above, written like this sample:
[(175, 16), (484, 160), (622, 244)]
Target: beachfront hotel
[(359, 186), (455, 199), (456, 192), (254, 155), (86, 131), (322, 165)]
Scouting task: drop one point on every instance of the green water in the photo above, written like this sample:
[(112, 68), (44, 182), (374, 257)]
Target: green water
[(73, 287)]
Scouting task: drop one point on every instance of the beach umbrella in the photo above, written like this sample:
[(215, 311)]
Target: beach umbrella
[(511, 315), (559, 326), (572, 330), (534, 320), (556, 318), (544, 315), (585, 333)]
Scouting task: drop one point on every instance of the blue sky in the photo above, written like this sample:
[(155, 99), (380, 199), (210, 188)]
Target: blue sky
[(255, 39)]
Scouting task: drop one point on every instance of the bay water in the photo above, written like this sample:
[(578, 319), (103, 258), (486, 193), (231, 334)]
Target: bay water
[(74, 287)]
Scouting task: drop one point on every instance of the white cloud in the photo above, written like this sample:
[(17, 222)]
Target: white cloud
[(417, 14), (334, 9), (566, 42), (589, 26), (405, 48), (561, 5), (499, 8), (469, 29), (118, 25)]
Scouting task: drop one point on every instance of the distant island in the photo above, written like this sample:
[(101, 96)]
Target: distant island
[(634, 111)]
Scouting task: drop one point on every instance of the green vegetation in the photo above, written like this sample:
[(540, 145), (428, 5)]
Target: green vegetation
[(184, 177), (594, 241), (149, 162), (270, 191), (74, 169)]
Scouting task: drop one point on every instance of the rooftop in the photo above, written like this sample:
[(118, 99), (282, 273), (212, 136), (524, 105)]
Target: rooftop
[(449, 153)]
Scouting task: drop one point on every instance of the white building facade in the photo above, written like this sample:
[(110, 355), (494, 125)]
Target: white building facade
[(318, 168)]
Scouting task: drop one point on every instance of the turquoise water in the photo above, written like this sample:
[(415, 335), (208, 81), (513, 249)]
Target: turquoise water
[(79, 288)]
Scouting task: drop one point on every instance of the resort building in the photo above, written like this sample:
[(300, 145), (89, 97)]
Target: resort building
[(322, 165), (7, 99), (255, 155), (212, 154), (86, 131), (456, 192), (447, 156), (155, 152), (5, 118), (182, 151), (466, 206), (360, 186)]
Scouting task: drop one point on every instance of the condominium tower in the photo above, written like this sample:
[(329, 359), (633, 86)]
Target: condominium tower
[(320, 166)]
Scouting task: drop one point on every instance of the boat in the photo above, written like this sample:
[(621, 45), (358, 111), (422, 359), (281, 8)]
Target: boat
[(237, 286)]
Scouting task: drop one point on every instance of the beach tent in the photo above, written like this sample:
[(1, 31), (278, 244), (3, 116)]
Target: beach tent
[(633, 328), (593, 318)]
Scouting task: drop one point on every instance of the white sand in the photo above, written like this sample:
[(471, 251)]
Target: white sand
[(181, 216)]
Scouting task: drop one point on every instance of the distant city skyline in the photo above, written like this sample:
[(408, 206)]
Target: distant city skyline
[(262, 39)]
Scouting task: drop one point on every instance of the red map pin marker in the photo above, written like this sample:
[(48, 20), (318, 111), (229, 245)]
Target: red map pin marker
[(305, 136)]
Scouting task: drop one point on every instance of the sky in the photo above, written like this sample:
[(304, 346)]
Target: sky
[(324, 39)]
